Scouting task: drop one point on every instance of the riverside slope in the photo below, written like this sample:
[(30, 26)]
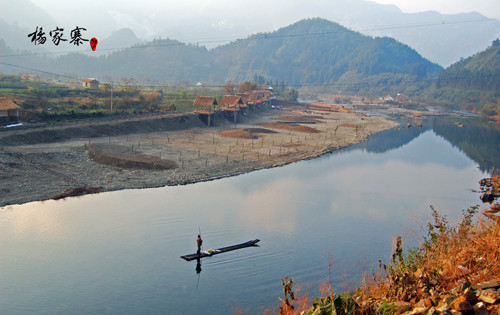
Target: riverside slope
[(40, 171)]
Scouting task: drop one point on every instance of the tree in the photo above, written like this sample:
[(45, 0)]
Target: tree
[(129, 86), (41, 99), (105, 88), (182, 94), (247, 86), (229, 88), (259, 79)]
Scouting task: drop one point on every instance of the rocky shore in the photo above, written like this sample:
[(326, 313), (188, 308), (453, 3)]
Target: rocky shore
[(47, 162), (481, 298), (490, 188)]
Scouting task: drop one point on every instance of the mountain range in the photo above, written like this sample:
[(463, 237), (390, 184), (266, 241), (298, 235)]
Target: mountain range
[(441, 38), (309, 52)]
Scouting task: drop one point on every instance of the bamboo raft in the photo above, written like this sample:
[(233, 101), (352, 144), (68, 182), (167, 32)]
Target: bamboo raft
[(220, 250)]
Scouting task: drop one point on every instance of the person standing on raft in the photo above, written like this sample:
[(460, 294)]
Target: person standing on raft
[(199, 241)]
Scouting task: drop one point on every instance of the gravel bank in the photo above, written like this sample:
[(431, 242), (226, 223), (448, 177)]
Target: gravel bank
[(43, 163)]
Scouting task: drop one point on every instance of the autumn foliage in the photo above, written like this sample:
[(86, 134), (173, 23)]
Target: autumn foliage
[(437, 275)]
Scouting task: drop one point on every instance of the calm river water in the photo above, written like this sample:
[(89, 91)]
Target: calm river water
[(118, 252)]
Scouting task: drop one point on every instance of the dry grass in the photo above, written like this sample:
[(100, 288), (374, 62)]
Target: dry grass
[(450, 256), (247, 133), (300, 119), (495, 180), (291, 145), (259, 130), (120, 156), (237, 133), (468, 254), (294, 302), (349, 125), (291, 127)]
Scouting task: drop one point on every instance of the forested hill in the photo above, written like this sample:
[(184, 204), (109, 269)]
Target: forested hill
[(317, 51), (161, 60), (478, 72), (472, 83), (309, 52)]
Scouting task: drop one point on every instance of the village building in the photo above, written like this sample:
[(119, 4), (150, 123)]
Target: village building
[(30, 77), (249, 99), (388, 98), (232, 104), (205, 108), (402, 98), (90, 83), (262, 95), (206, 103), (9, 112), (245, 97)]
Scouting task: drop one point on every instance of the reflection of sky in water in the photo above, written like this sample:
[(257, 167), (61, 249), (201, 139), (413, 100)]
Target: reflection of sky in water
[(426, 171), (120, 251), (429, 148)]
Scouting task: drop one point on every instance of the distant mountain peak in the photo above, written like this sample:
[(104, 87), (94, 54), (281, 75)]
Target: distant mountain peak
[(124, 32), (315, 24), (121, 38)]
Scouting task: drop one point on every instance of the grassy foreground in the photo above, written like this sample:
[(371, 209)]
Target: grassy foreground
[(455, 270)]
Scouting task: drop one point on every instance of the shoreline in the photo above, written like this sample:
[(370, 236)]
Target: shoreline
[(37, 172)]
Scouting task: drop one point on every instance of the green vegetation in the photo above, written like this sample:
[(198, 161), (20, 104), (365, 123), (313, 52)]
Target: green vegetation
[(43, 100), (53, 101), (316, 53), (472, 84), (11, 82), (320, 52), (309, 52)]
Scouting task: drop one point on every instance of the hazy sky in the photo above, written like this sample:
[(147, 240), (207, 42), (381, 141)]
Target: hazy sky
[(201, 21), (211, 23), (489, 8)]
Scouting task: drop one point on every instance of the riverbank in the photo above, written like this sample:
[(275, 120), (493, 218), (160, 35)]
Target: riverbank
[(455, 270), (49, 162)]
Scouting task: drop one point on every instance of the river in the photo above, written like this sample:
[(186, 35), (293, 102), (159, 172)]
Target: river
[(119, 252)]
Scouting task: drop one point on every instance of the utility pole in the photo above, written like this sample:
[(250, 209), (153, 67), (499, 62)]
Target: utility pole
[(111, 96)]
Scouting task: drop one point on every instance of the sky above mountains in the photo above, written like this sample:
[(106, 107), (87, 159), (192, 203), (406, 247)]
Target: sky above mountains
[(217, 22), (149, 18), (487, 8)]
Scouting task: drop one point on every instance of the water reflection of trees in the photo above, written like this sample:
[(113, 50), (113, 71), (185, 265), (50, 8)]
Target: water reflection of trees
[(391, 139), (478, 139)]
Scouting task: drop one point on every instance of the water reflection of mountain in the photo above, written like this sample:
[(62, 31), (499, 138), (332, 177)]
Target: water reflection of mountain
[(391, 139), (479, 140)]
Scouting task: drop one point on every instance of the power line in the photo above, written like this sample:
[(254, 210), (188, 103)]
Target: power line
[(257, 37), (38, 70), (428, 24), (416, 80)]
